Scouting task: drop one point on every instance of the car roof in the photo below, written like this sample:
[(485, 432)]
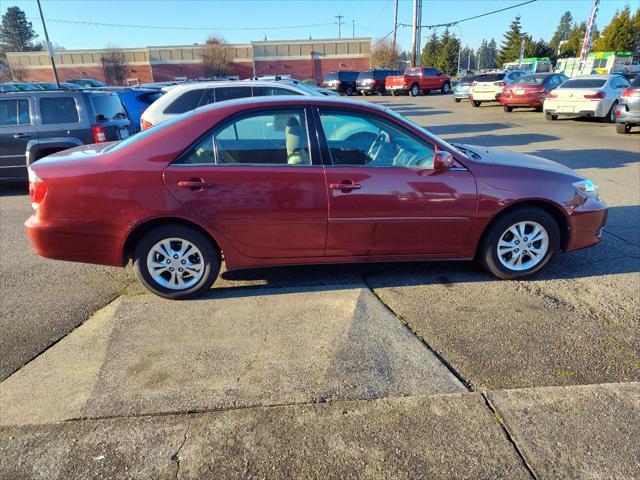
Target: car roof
[(185, 87), (595, 76)]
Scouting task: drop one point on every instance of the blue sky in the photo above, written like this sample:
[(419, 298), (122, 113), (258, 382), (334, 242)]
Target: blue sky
[(246, 20)]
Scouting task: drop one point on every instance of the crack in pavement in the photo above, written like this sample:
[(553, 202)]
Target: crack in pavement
[(620, 238), (508, 435), (467, 383), (175, 458)]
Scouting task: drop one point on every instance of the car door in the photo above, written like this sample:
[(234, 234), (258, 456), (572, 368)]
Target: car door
[(17, 129), (385, 198), (259, 182)]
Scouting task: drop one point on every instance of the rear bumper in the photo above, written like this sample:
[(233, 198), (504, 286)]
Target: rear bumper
[(485, 96), (87, 243), (367, 88), (625, 116), (586, 224), (521, 101)]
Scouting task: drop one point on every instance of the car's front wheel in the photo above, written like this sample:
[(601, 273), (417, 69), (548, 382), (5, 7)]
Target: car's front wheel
[(177, 262), (507, 109), (611, 115), (623, 128), (446, 88), (520, 243), (475, 103)]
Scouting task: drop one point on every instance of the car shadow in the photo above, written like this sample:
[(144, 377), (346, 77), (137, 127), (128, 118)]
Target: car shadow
[(506, 140), (591, 158), (611, 257), (465, 128)]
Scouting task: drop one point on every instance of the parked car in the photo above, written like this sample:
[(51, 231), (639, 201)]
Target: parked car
[(418, 80), (135, 101), (182, 98), (35, 124), (343, 82), (628, 111), (488, 86), (8, 87), (586, 96), (284, 180), (530, 90), (373, 81), (463, 87), (86, 82)]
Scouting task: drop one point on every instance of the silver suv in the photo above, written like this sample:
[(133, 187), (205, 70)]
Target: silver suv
[(35, 124)]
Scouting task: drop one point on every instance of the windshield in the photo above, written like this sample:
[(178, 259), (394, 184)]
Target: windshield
[(538, 79), (584, 83), (331, 76), (405, 120), (108, 106)]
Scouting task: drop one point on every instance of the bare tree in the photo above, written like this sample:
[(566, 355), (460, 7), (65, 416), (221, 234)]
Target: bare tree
[(114, 65), (216, 57), (383, 55)]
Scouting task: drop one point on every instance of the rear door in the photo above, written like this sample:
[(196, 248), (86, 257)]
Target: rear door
[(431, 80), (258, 180), (17, 129), (110, 114)]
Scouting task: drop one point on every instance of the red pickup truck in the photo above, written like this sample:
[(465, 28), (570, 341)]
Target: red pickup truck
[(418, 79)]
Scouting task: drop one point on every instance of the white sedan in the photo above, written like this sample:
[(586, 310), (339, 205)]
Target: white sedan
[(586, 96)]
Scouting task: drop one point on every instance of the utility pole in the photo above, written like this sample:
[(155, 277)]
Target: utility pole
[(353, 29), (339, 22), (417, 18), (469, 61), (395, 26), (49, 47)]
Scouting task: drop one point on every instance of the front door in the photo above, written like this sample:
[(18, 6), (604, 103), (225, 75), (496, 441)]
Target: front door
[(385, 198), (256, 179), (16, 131)]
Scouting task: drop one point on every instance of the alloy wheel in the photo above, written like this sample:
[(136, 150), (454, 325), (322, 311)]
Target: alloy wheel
[(522, 246), (175, 263)]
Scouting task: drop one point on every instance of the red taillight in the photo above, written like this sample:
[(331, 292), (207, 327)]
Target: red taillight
[(37, 189), (552, 95), (144, 125), (595, 96), (99, 134), (630, 92), (499, 84)]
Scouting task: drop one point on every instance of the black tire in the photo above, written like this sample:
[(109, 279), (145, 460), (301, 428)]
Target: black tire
[(623, 128), (538, 109), (446, 88), (457, 100), (414, 91), (348, 91), (393, 93), (611, 115), (550, 116), (487, 252), (475, 103), (508, 109), (210, 260)]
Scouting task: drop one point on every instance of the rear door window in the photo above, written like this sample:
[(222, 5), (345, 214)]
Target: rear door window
[(187, 101), (14, 112), (149, 97), (231, 93), (272, 91), (58, 110), (430, 71), (107, 107)]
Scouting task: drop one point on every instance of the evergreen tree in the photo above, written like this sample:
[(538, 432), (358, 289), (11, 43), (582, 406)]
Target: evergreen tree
[(16, 33), (573, 45), (562, 32), (537, 48), (467, 59), (510, 48), (428, 57), (487, 54), (621, 35), (447, 57)]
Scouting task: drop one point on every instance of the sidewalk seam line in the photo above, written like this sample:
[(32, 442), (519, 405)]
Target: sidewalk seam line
[(466, 383), (510, 438)]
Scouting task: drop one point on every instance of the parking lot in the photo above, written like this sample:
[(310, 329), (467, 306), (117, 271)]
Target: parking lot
[(389, 369)]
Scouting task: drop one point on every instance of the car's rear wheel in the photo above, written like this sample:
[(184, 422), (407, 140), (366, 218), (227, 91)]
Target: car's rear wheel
[(349, 91), (414, 90), (457, 100), (623, 128), (475, 103), (611, 116), (507, 109), (520, 243), (176, 262), (550, 116)]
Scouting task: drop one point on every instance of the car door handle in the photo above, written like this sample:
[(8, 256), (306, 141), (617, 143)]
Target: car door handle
[(345, 186), (194, 184), (22, 135)]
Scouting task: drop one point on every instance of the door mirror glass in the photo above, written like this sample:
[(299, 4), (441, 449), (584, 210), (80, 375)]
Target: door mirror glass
[(442, 160)]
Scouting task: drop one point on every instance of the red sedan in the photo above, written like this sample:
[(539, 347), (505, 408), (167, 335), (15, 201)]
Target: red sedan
[(530, 90), (292, 180)]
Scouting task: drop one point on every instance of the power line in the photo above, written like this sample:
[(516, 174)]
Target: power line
[(166, 27)]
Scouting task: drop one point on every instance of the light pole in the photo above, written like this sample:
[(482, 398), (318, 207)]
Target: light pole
[(49, 47), (340, 22), (459, 46)]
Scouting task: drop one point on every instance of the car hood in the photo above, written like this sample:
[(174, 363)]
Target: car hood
[(507, 158)]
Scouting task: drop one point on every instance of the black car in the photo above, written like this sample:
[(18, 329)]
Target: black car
[(34, 124), (343, 82), (373, 81)]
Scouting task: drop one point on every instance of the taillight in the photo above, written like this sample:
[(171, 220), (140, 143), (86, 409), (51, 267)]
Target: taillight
[(595, 96), (552, 95), (630, 92), (37, 189), (144, 124), (499, 84), (99, 134), (474, 84)]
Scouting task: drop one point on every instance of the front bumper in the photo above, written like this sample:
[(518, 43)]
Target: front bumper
[(586, 224)]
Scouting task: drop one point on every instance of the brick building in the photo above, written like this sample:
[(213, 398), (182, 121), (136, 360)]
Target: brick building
[(302, 59)]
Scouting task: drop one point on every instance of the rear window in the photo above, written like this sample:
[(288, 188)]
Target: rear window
[(636, 81), (584, 83), (149, 98), (467, 79), (490, 77), (412, 72), (366, 75), (187, 101), (58, 110), (14, 112), (348, 76), (538, 79), (108, 106), (331, 76)]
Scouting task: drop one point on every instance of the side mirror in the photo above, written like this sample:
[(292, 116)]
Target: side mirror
[(442, 160)]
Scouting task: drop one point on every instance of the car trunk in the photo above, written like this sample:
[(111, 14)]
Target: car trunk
[(576, 95), (110, 121)]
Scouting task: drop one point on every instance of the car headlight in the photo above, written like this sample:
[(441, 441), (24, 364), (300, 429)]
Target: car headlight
[(588, 188)]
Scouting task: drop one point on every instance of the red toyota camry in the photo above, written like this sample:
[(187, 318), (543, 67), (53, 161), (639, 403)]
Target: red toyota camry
[(292, 180)]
